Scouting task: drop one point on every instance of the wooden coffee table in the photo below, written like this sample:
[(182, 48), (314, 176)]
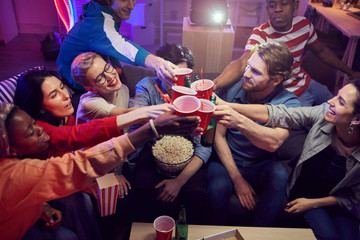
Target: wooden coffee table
[(146, 231)]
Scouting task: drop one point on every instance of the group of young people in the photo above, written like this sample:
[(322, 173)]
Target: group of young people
[(49, 158)]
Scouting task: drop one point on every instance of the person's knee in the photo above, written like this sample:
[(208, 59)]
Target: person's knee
[(65, 233), (277, 176), (218, 192)]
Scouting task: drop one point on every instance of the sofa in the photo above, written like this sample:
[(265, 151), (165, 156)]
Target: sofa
[(238, 216)]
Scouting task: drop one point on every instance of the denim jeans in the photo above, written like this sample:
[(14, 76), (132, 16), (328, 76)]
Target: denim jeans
[(268, 179), (315, 94), (332, 224)]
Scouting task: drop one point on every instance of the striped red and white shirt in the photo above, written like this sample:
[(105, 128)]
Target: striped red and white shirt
[(300, 35)]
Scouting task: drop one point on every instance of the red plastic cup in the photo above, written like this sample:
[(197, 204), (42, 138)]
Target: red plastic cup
[(204, 88), (164, 226), (178, 91), (181, 73), (205, 112), (186, 105)]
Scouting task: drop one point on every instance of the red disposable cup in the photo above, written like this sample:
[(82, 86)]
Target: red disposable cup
[(178, 91), (205, 112), (203, 87), (164, 226), (180, 73), (186, 105)]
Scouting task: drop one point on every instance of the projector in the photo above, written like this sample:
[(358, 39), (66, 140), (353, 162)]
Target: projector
[(209, 12)]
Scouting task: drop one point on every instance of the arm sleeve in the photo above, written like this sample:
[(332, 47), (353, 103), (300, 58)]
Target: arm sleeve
[(31, 181), (69, 138), (312, 34), (281, 116), (256, 37), (201, 151), (349, 199), (142, 94), (111, 43)]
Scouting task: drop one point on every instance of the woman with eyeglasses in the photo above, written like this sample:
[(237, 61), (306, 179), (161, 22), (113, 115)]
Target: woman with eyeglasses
[(106, 95)]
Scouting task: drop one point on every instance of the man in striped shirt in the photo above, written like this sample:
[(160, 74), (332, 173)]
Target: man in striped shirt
[(298, 34)]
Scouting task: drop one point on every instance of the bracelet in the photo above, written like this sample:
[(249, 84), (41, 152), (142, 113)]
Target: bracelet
[(152, 125)]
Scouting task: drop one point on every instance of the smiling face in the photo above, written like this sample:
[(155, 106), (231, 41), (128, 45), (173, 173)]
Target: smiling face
[(281, 13), (122, 8), (25, 137), (342, 106), (56, 98), (102, 78)]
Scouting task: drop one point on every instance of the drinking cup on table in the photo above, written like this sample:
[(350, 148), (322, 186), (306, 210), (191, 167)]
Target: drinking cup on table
[(164, 226), (178, 91), (186, 105), (180, 73), (203, 87), (205, 112)]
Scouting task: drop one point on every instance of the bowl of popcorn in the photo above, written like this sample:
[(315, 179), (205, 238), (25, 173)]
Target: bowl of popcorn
[(172, 154)]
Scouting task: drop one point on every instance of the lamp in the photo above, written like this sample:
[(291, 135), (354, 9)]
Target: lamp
[(209, 12)]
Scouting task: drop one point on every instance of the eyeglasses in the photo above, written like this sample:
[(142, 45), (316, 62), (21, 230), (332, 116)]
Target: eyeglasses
[(101, 78)]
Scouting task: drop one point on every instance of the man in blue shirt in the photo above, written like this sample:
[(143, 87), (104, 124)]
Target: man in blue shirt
[(159, 194), (247, 163)]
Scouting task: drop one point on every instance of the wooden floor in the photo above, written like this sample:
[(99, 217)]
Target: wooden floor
[(20, 54)]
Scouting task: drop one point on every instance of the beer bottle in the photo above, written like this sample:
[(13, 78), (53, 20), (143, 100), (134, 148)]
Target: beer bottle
[(181, 232), (187, 81), (196, 78), (207, 139)]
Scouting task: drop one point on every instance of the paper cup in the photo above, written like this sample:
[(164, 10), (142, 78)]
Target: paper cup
[(178, 91), (180, 74), (205, 112), (186, 105), (203, 87), (164, 226)]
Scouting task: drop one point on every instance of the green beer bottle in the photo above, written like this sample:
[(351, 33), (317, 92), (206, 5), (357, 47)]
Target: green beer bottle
[(207, 139), (196, 78), (187, 81), (181, 232)]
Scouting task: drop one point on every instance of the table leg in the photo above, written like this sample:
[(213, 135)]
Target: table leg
[(348, 58)]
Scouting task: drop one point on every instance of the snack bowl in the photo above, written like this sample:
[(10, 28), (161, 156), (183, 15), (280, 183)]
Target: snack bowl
[(172, 154)]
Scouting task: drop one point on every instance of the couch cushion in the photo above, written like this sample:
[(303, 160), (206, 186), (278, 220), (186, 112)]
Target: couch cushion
[(8, 86), (131, 75)]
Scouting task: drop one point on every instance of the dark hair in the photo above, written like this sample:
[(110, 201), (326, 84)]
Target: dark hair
[(29, 96), (176, 54), (356, 83)]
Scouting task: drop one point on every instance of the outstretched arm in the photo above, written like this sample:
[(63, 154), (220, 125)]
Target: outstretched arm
[(256, 112), (301, 205), (232, 72), (327, 56), (269, 139)]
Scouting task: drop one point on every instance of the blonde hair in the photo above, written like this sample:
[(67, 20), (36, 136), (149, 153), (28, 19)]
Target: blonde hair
[(278, 58), (81, 65)]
